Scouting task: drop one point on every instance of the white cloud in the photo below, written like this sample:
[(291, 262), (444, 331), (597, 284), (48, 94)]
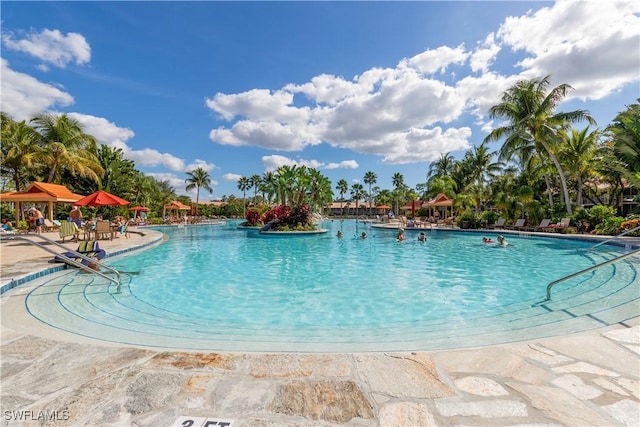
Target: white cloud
[(231, 177), (482, 58), (260, 104), (51, 47), (24, 96), (434, 60), (591, 45), (199, 163), (273, 162), (114, 136)]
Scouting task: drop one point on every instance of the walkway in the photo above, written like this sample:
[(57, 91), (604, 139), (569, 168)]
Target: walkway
[(589, 378)]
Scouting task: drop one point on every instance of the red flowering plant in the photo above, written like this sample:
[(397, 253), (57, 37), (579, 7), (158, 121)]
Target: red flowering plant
[(252, 217), (289, 219)]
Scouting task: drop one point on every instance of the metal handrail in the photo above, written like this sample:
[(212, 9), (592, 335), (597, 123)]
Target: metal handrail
[(70, 260), (587, 270), (615, 237)]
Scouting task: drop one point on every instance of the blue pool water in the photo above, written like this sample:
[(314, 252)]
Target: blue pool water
[(218, 283)]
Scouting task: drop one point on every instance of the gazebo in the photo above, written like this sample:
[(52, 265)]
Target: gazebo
[(40, 192), (441, 200), (175, 205)]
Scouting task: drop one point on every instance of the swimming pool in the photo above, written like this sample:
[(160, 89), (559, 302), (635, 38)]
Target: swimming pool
[(219, 288)]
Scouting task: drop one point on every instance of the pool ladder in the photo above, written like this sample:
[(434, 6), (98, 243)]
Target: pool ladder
[(587, 270), (70, 260)]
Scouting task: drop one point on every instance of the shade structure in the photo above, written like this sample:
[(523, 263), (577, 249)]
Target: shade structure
[(139, 209), (101, 198), (40, 192), (383, 207)]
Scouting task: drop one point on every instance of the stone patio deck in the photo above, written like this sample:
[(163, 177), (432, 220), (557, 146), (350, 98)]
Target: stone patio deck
[(57, 379)]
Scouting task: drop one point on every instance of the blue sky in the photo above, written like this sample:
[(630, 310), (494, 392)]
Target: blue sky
[(240, 88)]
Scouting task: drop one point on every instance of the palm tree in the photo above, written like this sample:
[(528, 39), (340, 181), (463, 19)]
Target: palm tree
[(198, 178), (342, 188), (370, 178), (19, 149), (531, 121), (268, 185), (357, 193), (444, 166), (577, 154), (244, 185), (68, 147), (255, 182), (625, 138), (398, 183)]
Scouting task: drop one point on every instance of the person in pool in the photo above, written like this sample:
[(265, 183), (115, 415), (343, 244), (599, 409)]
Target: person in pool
[(339, 235), (400, 237), (487, 240), (422, 237), (363, 235), (502, 241)]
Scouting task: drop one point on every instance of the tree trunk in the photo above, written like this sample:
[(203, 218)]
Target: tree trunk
[(563, 180)]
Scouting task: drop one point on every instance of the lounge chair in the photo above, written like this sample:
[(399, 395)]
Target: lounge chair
[(499, 224), (564, 223), (519, 225), (69, 229), (87, 248), (50, 226), (543, 226)]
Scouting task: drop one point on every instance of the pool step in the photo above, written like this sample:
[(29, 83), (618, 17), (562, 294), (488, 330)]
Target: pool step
[(87, 305)]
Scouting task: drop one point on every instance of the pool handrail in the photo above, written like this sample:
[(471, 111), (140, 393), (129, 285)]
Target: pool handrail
[(587, 270), (614, 237), (67, 259)]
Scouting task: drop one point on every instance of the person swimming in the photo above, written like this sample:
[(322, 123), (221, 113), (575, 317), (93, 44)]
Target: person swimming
[(339, 235), (486, 240), (422, 237), (400, 237), (502, 241), (363, 235)]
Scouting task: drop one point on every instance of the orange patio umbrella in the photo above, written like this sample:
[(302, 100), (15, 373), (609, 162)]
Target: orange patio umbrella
[(139, 209), (101, 198)]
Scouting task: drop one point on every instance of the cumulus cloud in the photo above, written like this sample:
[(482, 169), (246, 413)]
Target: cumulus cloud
[(591, 45), (403, 114), (231, 177), (436, 60), (110, 134), (24, 96), (51, 47), (275, 161), (199, 163)]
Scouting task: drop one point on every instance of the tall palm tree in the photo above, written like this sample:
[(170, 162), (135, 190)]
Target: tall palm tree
[(319, 190), (444, 166), (68, 147), (370, 178), (625, 139), (198, 178), (398, 183), (577, 154), (244, 185), (255, 182), (268, 185), (529, 110), (342, 186), (19, 149), (357, 193)]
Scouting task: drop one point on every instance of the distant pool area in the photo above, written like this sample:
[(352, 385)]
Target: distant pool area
[(220, 288)]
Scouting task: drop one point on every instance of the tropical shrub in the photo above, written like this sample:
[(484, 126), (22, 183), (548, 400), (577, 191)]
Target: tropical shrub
[(610, 226), (468, 219), (289, 219), (489, 216), (253, 218), (630, 224), (599, 214)]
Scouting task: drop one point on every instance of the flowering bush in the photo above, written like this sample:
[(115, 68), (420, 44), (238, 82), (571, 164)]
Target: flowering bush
[(631, 224), (252, 217), (288, 218)]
